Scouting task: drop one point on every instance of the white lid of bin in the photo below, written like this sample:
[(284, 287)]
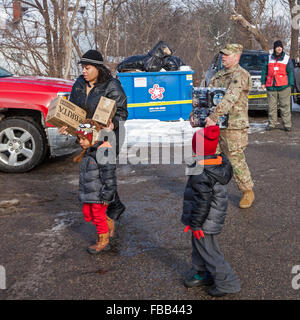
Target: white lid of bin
[(185, 68)]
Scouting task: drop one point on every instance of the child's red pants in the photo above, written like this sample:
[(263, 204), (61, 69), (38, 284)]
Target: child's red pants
[(96, 213)]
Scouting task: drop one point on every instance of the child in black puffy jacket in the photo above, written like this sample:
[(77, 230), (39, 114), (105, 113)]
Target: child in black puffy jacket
[(97, 181), (204, 211)]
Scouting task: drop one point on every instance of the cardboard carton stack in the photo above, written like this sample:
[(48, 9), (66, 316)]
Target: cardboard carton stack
[(62, 112)]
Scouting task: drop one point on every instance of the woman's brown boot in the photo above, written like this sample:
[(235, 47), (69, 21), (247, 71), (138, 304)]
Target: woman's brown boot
[(111, 226), (103, 240)]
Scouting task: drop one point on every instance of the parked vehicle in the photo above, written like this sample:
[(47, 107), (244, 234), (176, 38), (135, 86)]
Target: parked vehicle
[(252, 61), (296, 89), (25, 137)]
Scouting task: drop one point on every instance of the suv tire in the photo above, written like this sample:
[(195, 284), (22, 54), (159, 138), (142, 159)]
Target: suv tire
[(22, 145)]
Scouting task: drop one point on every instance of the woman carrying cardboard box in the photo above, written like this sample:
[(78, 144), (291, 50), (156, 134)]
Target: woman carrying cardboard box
[(97, 81)]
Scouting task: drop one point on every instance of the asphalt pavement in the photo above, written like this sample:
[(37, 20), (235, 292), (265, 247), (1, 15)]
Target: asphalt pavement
[(44, 237)]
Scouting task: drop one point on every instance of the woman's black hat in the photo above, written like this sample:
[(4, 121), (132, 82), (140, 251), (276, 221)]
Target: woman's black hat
[(92, 57)]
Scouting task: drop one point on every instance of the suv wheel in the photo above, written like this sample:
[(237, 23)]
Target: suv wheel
[(22, 145)]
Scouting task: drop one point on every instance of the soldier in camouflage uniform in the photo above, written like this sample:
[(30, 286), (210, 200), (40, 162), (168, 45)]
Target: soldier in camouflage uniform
[(234, 139)]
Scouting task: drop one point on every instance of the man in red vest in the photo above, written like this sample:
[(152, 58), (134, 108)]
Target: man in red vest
[(277, 76)]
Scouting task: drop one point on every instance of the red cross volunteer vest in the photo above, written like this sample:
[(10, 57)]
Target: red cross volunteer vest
[(277, 69)]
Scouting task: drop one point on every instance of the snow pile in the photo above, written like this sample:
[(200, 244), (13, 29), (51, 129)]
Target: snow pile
[(146, 131)]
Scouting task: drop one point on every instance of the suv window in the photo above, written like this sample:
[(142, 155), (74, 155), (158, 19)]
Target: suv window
[(250, 61), (4, 73), (253, 62)]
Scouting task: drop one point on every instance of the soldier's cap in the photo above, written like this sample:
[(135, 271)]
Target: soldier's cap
[(231, 48)]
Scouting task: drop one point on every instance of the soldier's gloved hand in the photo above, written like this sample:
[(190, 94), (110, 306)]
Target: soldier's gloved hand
[(197, 233), (192, 120)]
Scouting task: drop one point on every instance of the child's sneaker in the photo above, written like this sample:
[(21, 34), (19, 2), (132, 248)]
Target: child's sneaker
[(215, 292), (199, 279)]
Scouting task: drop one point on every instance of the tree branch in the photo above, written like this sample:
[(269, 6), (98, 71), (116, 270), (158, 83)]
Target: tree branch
[(238, 18)]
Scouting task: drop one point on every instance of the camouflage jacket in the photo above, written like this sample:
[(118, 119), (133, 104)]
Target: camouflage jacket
[(238, 83)]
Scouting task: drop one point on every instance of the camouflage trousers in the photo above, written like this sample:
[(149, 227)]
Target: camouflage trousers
[(233, 144)]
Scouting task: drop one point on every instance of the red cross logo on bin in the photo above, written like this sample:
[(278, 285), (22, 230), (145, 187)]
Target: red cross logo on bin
[(156, 92)]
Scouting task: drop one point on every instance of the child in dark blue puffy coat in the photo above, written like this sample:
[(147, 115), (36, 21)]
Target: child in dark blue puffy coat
[(97, 181), (204, 211)]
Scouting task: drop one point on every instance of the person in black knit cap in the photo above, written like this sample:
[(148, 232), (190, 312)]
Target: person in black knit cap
[(277, 77)]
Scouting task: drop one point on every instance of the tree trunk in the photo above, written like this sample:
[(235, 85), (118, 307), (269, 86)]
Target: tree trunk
[(104, 33), (238, 18), (294, 52), (96, 39), (243, 36), (68, 50), (68, 53), (48, 38)]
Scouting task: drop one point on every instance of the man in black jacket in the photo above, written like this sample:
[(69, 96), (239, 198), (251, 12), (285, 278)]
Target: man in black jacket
[(204, 211)]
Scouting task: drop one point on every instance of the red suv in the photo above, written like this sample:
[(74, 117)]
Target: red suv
[(25, 137)]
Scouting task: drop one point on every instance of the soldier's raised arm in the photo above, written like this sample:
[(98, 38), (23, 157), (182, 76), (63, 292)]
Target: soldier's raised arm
[(241, 83)]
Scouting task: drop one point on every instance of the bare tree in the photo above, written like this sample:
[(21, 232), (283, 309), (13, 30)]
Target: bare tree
[(53, 34), (209, 28), (104, 29), (268, 28), (42, 39), (243, 35), (246, 21), (294, 8), (143, 23)]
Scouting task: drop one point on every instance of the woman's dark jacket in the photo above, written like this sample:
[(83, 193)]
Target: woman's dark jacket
[(97, 177), (205, 197), (111, 89)]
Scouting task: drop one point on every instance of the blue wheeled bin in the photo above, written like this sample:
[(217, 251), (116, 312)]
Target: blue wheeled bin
[(158, 95)]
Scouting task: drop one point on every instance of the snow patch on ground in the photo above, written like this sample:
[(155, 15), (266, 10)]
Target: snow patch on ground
[(134, 180), (262, 142), (74, 182), (257, 127), (61, 222)]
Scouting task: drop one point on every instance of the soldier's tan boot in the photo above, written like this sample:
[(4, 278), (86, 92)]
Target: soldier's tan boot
[(247, 199), (111, 226), (103, 240)]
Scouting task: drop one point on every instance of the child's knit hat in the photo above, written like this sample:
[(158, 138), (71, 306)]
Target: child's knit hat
[(90, 130), (205, 141)]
